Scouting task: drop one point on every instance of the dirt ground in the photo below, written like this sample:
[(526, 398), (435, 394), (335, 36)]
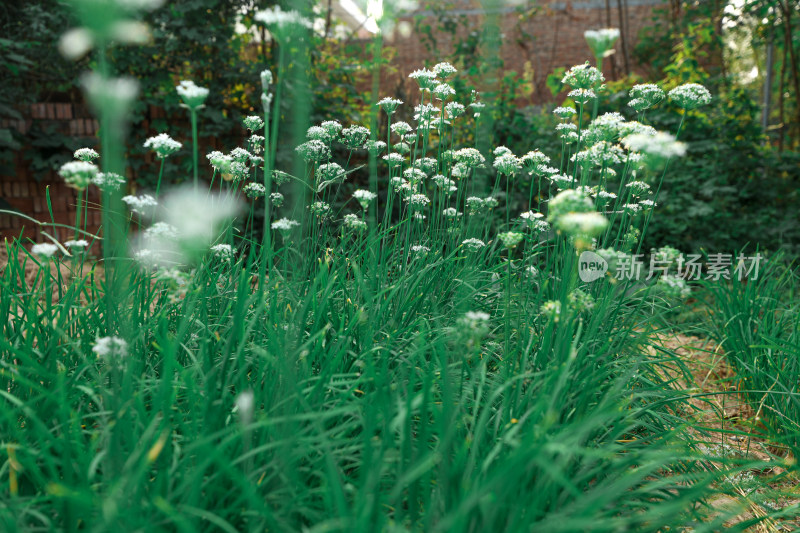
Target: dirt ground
[(733, 430)]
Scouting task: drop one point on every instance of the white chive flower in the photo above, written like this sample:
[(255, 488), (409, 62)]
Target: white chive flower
[(644, 96), (443, 91), (444, 70), (330, 171), (161, 230), (534, 160), (414, 176), (108, 181), (284, 225), (647, 204), (443, 182), (332, 127), (163, 145), (318, 133), (257, 146), (582, 96), (420, 250), (254, 123), (353, 222), (454, 109), (470, 157), (86, 154), (474, 323), (473, 245), (590, 224), (276, 198), (244, 406), (314, 150), (638, 188), (530, 216), (583, 77), (355, 136), (511, 238), (78, 174), (401, 128), (551, 309), (254, 190), (475, 204), (418, 200), (280, 19), (568, 201), (564, 112), (374, 147), (219, 161), (394, 159), (143, 204), (424, 77), (389, 105), (193, 96), (428, 165), (661, 145), (690, 96), (320, 209), (223, 252), (507, 164), (364, 197), (266, 79), (80, 244)]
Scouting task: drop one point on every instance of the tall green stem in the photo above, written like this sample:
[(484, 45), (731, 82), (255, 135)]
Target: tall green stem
[(193, 115), (161, 174), (78, 207), (596, 105), (373, 156), (507, 317), (660, 183), (266, 243), (269, 157)]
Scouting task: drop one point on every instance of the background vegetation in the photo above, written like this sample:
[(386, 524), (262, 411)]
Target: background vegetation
[(385, 376), (743, 156)]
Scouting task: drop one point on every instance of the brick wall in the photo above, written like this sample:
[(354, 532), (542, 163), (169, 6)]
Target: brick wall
[(26, 193), (535, 45)]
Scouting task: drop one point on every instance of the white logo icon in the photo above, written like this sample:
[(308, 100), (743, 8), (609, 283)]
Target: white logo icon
[(591, 266)]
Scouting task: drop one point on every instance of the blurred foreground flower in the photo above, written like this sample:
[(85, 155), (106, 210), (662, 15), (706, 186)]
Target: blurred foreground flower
[(188, 222), (602, 41), (45, 250), (110, 347)]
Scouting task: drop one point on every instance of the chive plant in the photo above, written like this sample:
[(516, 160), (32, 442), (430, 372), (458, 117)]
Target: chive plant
[(756, 325), (433, 368)]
